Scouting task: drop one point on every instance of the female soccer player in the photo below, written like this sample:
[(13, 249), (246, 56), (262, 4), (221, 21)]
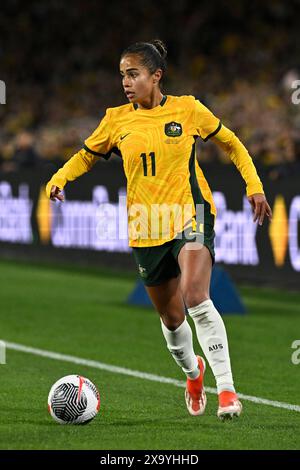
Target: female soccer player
[(155, 136)]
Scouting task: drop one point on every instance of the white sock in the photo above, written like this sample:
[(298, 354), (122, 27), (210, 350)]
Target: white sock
[(180, 345), (212, 338)]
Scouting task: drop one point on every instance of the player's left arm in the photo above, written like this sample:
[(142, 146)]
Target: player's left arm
[(229, 142), (208, 126)]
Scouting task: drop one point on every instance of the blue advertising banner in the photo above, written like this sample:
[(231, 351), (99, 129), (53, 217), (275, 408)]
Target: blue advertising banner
[(93, 219)]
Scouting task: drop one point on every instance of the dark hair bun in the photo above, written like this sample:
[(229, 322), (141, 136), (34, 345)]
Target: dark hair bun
[(160, 46)]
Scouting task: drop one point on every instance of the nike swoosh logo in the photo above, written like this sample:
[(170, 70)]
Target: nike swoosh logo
[(123, 136)]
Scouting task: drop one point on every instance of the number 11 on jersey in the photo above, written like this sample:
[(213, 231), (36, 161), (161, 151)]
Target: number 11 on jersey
[(144, 158)]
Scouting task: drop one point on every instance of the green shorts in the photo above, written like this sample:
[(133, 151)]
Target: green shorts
[(157, 264)]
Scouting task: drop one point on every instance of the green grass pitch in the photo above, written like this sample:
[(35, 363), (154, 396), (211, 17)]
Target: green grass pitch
[(84, 314)]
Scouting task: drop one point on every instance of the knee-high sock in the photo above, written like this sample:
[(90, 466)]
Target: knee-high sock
[(180, 345), (212, 338)]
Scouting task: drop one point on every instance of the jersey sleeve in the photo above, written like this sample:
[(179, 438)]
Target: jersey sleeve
[(100, 142), (230, 143), (206, 124), (76, 166)]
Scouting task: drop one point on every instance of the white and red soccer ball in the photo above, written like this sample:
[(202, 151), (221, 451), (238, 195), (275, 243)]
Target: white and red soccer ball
[(73, 399)]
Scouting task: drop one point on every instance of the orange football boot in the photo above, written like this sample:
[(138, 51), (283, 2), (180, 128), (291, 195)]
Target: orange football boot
[(195, 396), (229, 405)]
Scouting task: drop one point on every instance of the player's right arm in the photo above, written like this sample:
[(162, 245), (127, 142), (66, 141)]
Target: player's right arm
[(79, 164), (97, 145)]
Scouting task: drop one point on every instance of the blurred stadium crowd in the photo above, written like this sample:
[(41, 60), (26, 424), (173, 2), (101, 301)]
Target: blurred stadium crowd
[(60, 65)]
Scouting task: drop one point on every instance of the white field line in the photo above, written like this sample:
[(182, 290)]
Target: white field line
[(137, 374)]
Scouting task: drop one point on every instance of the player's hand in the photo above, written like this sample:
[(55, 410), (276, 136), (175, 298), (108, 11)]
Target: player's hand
[(55, 194), (260, 207)]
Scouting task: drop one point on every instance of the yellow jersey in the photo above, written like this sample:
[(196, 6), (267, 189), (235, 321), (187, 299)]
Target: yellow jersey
[(164, 180)]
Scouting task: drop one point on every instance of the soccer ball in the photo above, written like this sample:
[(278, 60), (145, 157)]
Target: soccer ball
[(73, 399)]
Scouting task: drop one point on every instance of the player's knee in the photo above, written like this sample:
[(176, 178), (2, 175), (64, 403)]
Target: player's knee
[(192, 301), (172, 321), (194, 294)]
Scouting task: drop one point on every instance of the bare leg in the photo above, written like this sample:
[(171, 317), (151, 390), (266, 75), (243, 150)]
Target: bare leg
[(195, 266), (168, 301)]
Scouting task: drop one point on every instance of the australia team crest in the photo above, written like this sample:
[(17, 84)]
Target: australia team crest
[(173, 129)]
